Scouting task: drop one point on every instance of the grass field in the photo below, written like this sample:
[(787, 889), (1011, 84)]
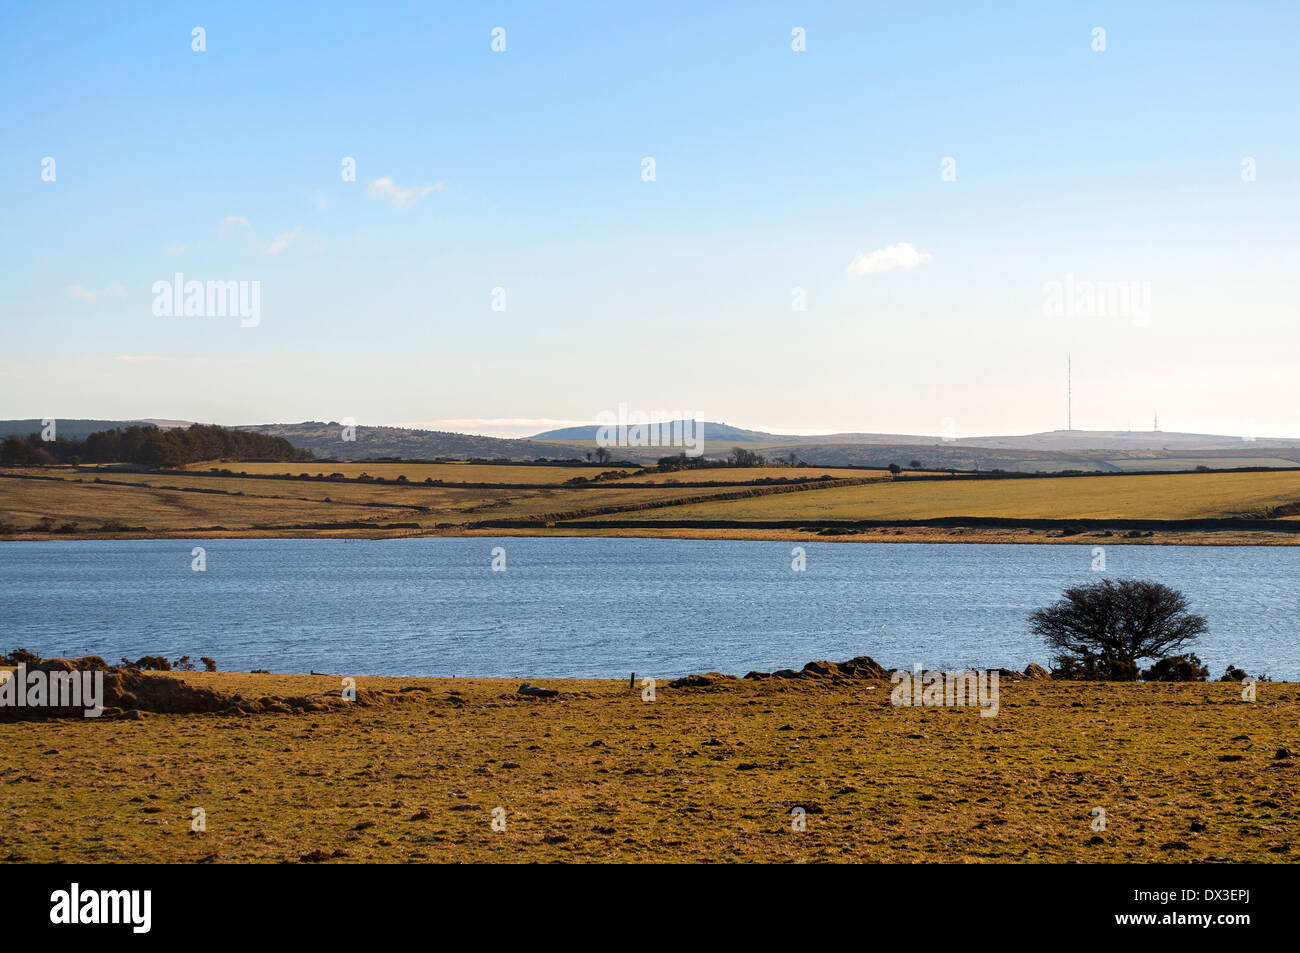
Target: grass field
[(505, 474), (1178, 496), (23, 502), (202, 503), (248, 502), (1184, 773)]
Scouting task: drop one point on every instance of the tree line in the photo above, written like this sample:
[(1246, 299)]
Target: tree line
[(150, 447)]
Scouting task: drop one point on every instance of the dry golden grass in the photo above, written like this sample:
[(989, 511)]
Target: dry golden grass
[(167, 506), (599, 775), (1179, 496), (148, 501), (24, 502)]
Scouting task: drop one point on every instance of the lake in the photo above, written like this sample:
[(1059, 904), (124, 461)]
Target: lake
[(604, 607)]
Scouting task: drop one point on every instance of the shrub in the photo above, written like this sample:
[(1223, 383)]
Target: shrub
[(1177, 668), (155, 663), (19, 657), (1095, 670), (209, 665), (1233, 674), (1102, 630)]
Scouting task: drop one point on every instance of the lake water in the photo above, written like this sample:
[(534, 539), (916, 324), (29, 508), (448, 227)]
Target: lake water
[(605, 607)]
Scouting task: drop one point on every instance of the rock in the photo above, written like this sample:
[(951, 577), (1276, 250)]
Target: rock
[(87, 663), (786, 673), (701, 681), (757, 675), (1283, 753), (536, 691), (1037, 672), (1198, 826), (823, 668), (690, 681), (864, 666), (509, 764), (315, 857)]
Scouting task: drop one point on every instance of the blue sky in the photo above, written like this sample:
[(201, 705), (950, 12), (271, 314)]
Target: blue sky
[(774, 170)]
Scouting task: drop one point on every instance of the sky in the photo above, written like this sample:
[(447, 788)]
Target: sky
[(907, 225)]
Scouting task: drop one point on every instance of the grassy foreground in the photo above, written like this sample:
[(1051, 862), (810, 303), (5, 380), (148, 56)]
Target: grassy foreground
[(1184, 772)]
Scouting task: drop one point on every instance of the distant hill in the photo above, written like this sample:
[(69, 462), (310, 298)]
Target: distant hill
[(1048, 440), (72, 428), (325, 439), (711, 431), (1052, 451)]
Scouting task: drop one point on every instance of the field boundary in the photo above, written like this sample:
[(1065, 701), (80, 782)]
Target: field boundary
[(965, 522)]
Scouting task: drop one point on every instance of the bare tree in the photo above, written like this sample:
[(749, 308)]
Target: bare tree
[(1102, 630)]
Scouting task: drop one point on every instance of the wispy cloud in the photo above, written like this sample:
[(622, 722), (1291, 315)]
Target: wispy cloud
[(114, 290), (283, 241), (233, 221), (398, 196), (902, 255)]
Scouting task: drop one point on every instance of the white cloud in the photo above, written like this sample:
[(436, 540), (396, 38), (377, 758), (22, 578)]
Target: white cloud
[(176, 249), (114, 290), (386, 188), (900, 255), (283, 241), (233, 221)]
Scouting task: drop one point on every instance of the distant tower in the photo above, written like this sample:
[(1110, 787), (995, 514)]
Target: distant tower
[(1155, 422)]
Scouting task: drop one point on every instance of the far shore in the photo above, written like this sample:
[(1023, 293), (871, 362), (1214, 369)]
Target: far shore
[(886, 534)]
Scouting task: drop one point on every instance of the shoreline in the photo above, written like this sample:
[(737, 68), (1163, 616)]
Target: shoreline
[(883, 534)]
